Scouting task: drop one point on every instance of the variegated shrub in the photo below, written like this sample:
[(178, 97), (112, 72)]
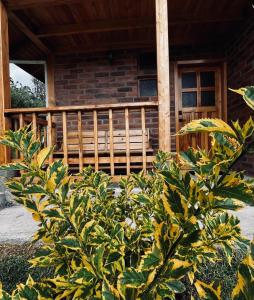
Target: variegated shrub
[(140, 243)]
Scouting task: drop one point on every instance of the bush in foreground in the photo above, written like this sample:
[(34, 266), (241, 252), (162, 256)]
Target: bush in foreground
[(138, 245)]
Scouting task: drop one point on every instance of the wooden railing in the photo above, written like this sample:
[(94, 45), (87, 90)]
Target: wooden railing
[(113, 137)]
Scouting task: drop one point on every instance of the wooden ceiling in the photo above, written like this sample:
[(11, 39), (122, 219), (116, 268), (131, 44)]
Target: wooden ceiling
[(40, 27)]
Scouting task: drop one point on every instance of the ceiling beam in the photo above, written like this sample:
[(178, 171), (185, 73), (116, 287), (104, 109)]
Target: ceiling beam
[(22, 27), (96, 26), (121, 24), (25, 4), (106, 47), (204, 20)]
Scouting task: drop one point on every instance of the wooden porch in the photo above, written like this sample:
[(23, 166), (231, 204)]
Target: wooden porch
[(114, 147), (118, 135)]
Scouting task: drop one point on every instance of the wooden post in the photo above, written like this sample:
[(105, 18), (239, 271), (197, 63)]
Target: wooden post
[(163, 74), (50, 70), (5, 100), (50, 73)]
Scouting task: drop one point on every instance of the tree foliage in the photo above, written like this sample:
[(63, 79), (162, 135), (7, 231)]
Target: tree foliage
[(25, 96), (141, 243)]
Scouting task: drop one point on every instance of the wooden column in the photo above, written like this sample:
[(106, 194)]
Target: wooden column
[(50, 73), (163, 74), (5, 99), (51, 80)]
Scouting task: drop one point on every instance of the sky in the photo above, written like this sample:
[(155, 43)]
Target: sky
[(18, 74)]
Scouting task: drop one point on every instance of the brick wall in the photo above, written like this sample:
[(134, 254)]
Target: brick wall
[(99, 79), (240, 58)]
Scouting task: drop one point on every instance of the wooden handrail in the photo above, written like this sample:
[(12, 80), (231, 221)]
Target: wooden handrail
[(28, 119), (80, 108)]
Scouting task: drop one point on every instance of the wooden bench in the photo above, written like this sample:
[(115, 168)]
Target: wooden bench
[(119, 141)]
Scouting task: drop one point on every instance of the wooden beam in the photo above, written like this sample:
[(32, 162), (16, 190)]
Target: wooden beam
[(163, 74), (96, 26), (22, 27), (24, 4), (100, 47), (5, 99), (122, 24)]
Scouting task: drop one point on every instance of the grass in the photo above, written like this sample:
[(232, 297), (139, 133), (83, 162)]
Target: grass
[(220, 272), (14, 266)]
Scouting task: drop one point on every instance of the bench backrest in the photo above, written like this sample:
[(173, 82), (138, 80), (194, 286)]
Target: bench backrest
[(119, 138)]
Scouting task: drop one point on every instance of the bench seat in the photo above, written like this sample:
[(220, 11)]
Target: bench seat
[(119, 142)]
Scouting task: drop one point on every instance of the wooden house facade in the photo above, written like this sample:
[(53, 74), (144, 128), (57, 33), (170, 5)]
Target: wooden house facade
[(123, 76)]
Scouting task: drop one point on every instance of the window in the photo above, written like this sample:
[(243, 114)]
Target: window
[(147, 74), (148, 87), (198, 88), (28, 84)]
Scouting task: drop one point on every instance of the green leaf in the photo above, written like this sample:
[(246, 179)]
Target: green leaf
[(177, 269), (227, 204), (190, 239), (207, 291), (207, 125), (54, 214), (238, 192), (43, 155), (134, 279), (106, 293), (248, 95), (151, 259), (175, 286), (29, 293), (70, 242), (15, 167), (35, 189), (83, 276), (98, 259)]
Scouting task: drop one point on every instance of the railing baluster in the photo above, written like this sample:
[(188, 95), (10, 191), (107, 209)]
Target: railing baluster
[(21, 125), (65, 142), (111, 143), (193, 136), (21, 120), (95, 126), (127, 134), (143, 121), (50, 136), (80, 138), (34, 124)]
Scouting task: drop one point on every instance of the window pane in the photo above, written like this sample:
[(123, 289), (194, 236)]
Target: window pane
[(207, 79), (208, 98), (189, 80), (148, 87), (189, 99)]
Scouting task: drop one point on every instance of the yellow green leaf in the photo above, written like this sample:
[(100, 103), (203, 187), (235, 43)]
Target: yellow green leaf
[(43, 155), (207, 125), (248, 95), (208, 291)]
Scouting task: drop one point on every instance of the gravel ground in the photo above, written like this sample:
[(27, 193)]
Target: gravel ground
[(16, 225)]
